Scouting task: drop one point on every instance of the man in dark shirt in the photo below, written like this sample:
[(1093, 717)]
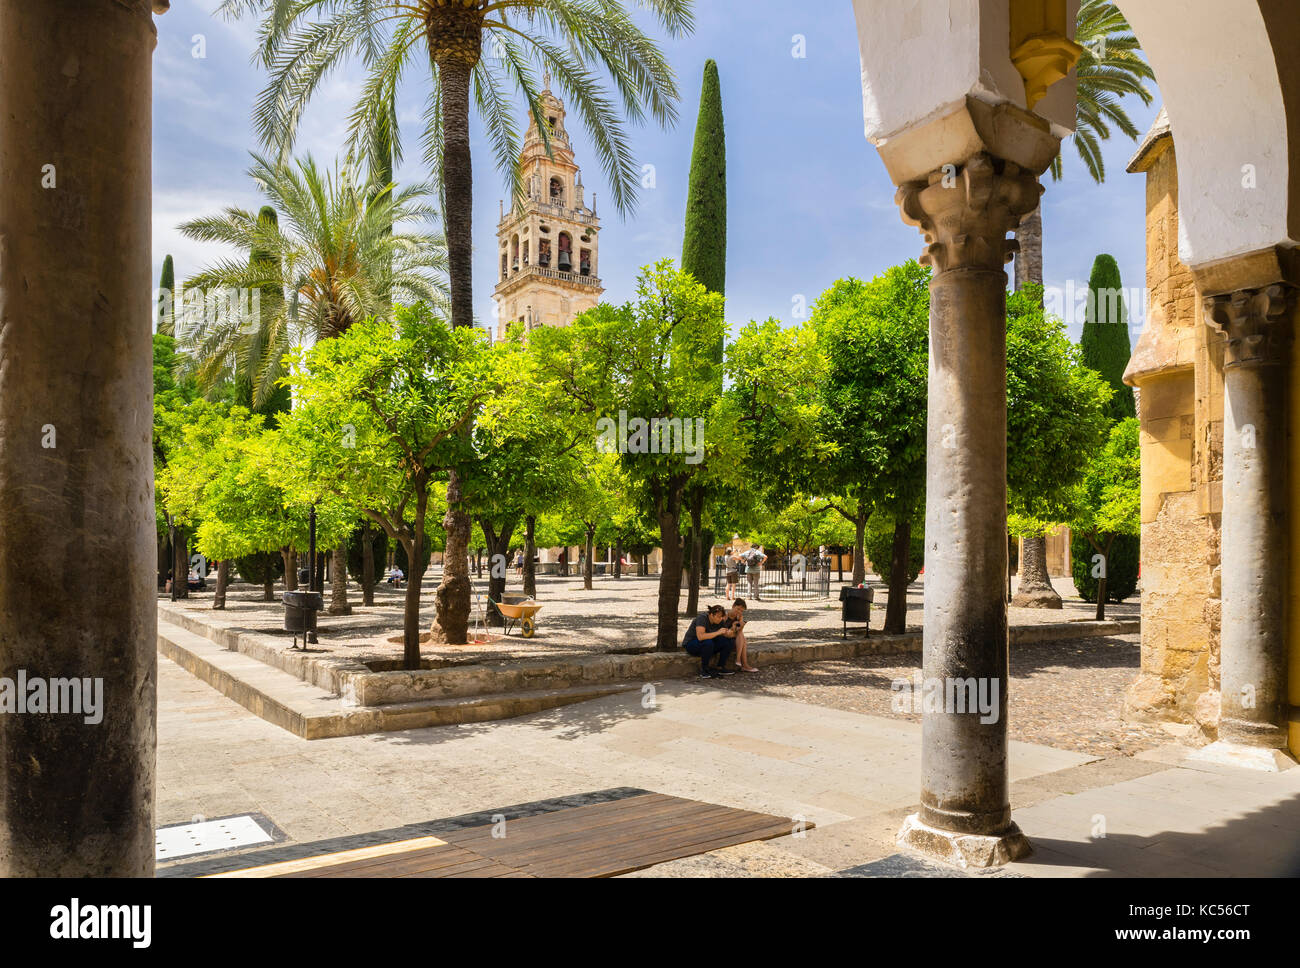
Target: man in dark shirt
[(707, 637)]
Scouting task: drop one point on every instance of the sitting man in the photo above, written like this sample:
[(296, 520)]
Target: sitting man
[(707, 636)]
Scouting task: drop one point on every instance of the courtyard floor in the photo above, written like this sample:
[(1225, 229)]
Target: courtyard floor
[(818, 742)]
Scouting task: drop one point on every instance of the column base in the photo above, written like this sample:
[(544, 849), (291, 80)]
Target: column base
[(964, 850), (1260, 758)]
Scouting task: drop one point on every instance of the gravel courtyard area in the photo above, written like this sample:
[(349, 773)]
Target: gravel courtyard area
[(1065, 694)]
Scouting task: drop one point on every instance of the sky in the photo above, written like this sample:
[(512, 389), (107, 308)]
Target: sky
[(809, 201)]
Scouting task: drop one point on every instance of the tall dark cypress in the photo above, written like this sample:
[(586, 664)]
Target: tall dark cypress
[(704, 248), (167, 308), (1105, 342), (704, 255)]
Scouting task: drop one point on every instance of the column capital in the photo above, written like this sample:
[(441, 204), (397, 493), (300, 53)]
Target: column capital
[(1255, 322), (965, 211)]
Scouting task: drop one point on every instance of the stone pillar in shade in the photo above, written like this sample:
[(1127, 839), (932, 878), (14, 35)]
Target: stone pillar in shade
[(77, 542), (966, 212), (1255, 540)]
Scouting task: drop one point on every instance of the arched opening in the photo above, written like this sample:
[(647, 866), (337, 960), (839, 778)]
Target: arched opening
[(556, 195), (514, 254), (565, 263)]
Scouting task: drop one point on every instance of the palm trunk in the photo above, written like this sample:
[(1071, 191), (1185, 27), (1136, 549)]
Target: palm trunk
[(455, 39), (223, 579), (339, 581), (367, 567), (530, 550), (1029, 261), (899, 568), (1035, 589)]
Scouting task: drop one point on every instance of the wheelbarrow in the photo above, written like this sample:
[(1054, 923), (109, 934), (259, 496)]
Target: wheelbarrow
[(519, 612)]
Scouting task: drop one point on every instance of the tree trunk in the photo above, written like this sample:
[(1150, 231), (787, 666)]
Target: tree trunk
[(860, 548), (164, 559), (618, 558), (1035, 589), (411, 608), (706, 557), (339, 581), (290, 559), (455, 38), (1029, 260), (588, 565), (223, 579), (696, 539), (181, 565), (268, 587), (530, 551), (643, 565), (670, 574), (899, 570), (367, 567), (498, 544), (1101, 582), (452, 599)]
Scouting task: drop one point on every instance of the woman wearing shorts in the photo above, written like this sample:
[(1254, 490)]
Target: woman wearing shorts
[(731, 565)]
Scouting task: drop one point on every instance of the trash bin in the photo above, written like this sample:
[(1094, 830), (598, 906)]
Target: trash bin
[(300, 610), (855, 606)]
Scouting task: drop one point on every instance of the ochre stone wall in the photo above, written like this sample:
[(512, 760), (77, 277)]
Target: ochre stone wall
[(1177, 367)]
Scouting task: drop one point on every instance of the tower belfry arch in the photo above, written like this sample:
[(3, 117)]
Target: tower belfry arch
[(548, 242)]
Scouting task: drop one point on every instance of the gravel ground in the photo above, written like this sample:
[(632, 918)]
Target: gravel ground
[(1067, 695)]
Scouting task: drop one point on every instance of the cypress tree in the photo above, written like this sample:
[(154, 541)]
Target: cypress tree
[(167, 307), (704, 248), (704, 256), (1106, 349), (1105, 341)]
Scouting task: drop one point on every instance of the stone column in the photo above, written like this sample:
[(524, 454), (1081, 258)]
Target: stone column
[(77, 543), (966, 212), (1255, 538)]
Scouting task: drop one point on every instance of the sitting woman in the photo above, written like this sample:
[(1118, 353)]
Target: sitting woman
[(706, 637)]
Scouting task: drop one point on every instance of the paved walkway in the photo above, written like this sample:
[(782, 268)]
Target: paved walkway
[(854, 775)]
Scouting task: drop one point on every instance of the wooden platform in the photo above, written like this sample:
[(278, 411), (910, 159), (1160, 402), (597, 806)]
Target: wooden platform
[(599, 840)]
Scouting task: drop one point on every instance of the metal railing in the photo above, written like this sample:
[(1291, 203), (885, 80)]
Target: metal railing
[(545, 273), (794, 579)]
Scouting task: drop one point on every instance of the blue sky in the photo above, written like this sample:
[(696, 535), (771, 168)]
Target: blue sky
[(808, 198)]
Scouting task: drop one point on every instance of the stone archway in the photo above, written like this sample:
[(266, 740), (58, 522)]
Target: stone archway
[(965, 147)]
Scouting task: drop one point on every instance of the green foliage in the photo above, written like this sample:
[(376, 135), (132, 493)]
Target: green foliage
[(880, 547), (1109, 510), (704, 247), (1056, 411), (261, 567), (875, 338), (1105, 339), (378, 545), (801, 526), (336, 254), (1110, 68), (575, 41)]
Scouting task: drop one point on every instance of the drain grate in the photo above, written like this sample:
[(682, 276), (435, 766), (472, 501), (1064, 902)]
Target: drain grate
[(207, 836)]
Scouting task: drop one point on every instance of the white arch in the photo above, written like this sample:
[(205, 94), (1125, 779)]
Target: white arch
[(1218, 74)]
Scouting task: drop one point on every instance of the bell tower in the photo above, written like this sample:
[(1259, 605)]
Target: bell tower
[(547, 246)]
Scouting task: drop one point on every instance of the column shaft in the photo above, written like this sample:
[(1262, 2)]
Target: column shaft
[(77, 541)]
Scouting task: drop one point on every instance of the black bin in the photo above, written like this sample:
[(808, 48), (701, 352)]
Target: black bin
[(855, 606), (300, 610)]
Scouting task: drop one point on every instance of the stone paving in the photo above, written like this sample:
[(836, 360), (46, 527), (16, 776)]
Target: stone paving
[(852, 774)]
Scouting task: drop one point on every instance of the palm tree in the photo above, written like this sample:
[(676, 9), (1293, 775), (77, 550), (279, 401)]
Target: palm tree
[(331, 250), (303, 40), (1110, 68), (336, 253)]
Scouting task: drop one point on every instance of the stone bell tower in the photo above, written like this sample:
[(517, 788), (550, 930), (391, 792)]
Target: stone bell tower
[(547, 247)]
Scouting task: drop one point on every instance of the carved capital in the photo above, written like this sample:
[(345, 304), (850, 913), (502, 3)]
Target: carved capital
[(966, 211), (1256, 323)]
